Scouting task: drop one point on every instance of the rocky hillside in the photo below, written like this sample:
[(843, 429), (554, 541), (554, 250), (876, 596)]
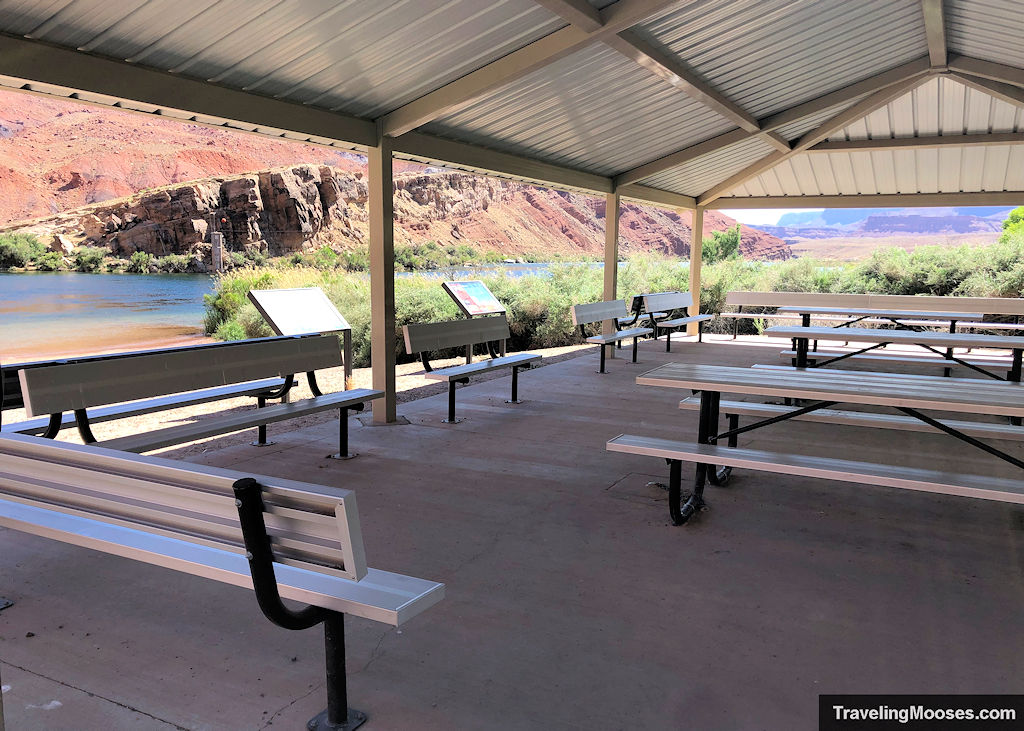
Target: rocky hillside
[(301, 207), (137, 183), (880, 222)]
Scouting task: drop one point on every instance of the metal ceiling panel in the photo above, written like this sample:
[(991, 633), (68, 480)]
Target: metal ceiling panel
[(361, 58), (940, 106), (768, 55), (994, 168), (594, 110), (698, 175), (991, 30)]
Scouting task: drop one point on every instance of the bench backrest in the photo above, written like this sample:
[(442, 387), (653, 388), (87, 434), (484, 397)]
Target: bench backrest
[(927, 303), (310, 526), (598, 312), (95, 382), (667, 301), (426, 337)]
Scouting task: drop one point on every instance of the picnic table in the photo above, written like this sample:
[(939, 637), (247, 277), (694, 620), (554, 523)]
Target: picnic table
[(930, 341), (911, 395), (902, 318)]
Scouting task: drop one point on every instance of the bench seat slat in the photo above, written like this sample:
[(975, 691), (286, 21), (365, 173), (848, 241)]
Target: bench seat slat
[(842, 470), (461, 371), (863, 418), (683, 321), (147, 406), (228, 423), (615, 337), (380, 595), (992, 363)]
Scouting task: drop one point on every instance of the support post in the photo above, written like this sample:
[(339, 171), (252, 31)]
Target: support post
[(382, 280), (611, 262), (696, 244)]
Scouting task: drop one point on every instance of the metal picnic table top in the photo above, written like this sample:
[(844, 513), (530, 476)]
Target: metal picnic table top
[(893, 314), (870, 388), (870, 335)]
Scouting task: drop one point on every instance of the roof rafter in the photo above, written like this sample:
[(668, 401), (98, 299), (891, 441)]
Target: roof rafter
[(769, 124), (542, 52), (912, 143), (859, 110), (1004, 92), (883, 200), (935, 30), (987, 70)]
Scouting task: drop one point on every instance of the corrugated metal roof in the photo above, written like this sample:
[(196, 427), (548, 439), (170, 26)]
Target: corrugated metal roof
[(991, 30), (769, 55), (595, 110), (362, 58), (695, 176), (931, 170), (940, 106)]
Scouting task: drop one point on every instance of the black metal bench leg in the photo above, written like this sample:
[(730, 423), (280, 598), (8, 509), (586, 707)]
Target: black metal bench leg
[(700, 332), (601, 369), (1014, 377), (261, 430), (451, 402), (338, 716), (634, 348), (515, 387), (668, 341), (343, 452)]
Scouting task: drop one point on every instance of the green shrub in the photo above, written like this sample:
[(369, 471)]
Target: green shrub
[(139, 263), (50, 261), (325, 258), (88, 258), (230, 331), (17, 250), (173, 263)]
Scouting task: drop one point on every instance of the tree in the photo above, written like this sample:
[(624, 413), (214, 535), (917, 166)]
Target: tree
[(721, 245)]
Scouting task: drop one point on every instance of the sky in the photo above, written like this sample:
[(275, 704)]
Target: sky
[(763, 216)]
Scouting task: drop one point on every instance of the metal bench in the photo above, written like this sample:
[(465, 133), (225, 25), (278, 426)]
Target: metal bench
[(429, 337), (282, 538), (672, 302), (11, 396), (168, 378), (612, 311)]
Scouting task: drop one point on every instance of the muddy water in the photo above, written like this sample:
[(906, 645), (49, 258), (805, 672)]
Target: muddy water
[(52, 314)]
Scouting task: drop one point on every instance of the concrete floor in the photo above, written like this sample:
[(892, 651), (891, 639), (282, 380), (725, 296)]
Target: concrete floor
[(572, 602)]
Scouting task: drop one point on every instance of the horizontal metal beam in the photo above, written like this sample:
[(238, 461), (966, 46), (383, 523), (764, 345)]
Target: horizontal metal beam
[(770, 124), (449, 153), (898, 200), (43, 68), (656, 196), (453, 96), (575, 12), (912, 143)]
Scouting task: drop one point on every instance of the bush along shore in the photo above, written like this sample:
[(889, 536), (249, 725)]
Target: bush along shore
[(538, 306)]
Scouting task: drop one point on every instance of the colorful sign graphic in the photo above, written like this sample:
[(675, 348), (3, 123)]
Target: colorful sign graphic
[(473, 297)]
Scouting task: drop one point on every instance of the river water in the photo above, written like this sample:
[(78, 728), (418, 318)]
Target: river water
[(52, 314)]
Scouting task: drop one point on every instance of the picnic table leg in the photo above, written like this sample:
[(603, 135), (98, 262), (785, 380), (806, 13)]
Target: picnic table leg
[(719, 477), (801, 352), (261, 430), (515, 387), (708, 407), (634, 348), (1014, 376), (947, 372)]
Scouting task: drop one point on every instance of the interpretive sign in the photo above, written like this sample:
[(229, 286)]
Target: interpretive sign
[(473, 298)]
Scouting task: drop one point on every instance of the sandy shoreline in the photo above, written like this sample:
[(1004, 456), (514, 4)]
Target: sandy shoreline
[(410, 383)]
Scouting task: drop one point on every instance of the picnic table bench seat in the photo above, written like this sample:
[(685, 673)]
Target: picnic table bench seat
[(281, 538), (428, 337), (158, 380), (915, 360), (611, 312)]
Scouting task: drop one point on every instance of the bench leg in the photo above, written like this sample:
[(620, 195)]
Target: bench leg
[(261, 430), (668, 341), (337, 716), (515, 387), (451, 403), (343, 452), (601, 369), (1014, 377), (700, 332), (634, 349)]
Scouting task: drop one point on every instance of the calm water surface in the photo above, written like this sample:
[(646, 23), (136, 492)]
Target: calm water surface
[(48, 314)]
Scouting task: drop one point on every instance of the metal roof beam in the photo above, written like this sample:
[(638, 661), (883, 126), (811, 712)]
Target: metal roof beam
[(859, 110), (28, 63), (916, 143), (430, 149), (898, 200), (656, 196), (770, 124), (935, 30), (987, 70), (575, 12), (542, 52)]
